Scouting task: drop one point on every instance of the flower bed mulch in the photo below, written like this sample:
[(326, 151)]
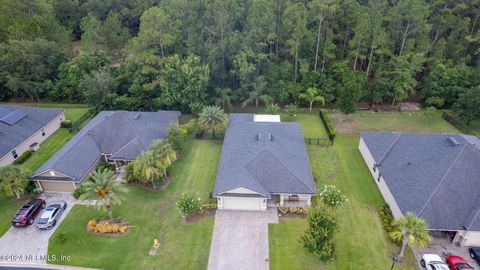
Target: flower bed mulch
[(197, 216), (292, 215)]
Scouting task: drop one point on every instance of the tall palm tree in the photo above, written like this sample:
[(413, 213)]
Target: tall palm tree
[(104, 191), (413, 231), (164, 155), (223, 97), (312, 95), (212, 118), (257, 94)]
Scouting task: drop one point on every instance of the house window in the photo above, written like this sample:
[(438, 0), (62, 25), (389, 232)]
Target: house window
[(43, 131), (14, 154)]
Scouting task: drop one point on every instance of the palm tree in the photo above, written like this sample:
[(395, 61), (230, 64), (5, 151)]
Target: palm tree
[(13, 180), (223, 97), (212, 118), (413, 231), (257, 94), (312, 95), (104, 190), (145, 168), (164, 155)]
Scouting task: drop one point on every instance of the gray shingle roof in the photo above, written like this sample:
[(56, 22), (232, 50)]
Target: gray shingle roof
[(123, 135), (430, 176), (13, 135), (264, 166)]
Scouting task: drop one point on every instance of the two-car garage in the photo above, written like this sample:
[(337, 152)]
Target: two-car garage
[(242, 203)]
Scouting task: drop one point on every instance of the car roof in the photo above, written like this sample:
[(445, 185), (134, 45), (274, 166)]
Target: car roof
[(432, 257), (456, 259)]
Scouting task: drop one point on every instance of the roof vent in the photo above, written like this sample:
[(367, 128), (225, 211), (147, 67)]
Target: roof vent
[(270, 137), (259, 136), (453, 141), (137, 116)]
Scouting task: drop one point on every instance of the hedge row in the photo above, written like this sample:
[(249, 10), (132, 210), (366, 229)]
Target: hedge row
[(21, 159), (327, 123)]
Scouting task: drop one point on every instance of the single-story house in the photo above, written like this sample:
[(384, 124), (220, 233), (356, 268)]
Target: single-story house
[(25, 128), (112, 136), (263, 162), (435, 176)]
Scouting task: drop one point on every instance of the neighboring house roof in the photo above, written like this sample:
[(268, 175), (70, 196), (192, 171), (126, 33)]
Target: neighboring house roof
[(436, 176), (121, 134), (264, 157), (18, 123)]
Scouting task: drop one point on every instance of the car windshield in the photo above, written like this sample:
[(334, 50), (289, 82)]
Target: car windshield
[(463, 266), (42, 221), (53, 206)]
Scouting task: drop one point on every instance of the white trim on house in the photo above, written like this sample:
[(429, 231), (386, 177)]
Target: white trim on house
[(266, 118)]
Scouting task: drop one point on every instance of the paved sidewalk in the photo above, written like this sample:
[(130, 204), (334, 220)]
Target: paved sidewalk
[(240, 240), (30, 244)]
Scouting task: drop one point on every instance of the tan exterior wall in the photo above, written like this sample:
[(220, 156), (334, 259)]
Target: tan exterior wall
[(468, 238), (382, 186), (37, 137), (242, 203)]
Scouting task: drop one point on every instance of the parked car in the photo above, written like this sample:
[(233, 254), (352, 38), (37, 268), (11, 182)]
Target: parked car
[(26, 215), (433, 262), (458, 263), (50, 215), (475, 254)]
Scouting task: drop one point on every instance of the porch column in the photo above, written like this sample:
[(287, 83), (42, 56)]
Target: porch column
[(281, 199)]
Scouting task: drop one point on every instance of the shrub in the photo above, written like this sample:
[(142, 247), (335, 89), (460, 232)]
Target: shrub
[(21, 159), (94, 226), (66, 124), (327, 123), (176, 137), (332, 197), (291, 110), (105, 165), (272, 108), (318, 238), (188, 204), (79, 191), (294, 210), (388, 222), (436, 102)]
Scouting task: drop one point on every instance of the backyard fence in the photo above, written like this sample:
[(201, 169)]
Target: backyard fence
[(77, 125), (318, 141)]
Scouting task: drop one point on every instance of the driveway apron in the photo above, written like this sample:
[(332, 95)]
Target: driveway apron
[(240, 240)]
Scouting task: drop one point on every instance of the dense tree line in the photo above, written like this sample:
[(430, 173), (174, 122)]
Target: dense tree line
[(180, 54)]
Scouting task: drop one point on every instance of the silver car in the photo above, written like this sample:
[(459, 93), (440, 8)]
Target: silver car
[(50, 215)]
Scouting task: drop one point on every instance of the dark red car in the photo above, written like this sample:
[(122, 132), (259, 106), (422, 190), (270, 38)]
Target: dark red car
[(458, 263), (26, 215)]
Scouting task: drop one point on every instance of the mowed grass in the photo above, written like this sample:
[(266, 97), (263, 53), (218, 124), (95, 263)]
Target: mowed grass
[(353, 124), (311, 123), (49, 147), (8, 207), (153, 215)]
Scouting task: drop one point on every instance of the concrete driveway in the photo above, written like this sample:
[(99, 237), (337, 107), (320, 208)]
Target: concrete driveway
[(240, 240), (30, 245)]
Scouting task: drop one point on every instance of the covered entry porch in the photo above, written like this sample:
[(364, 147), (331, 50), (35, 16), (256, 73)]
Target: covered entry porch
[(290, 200)]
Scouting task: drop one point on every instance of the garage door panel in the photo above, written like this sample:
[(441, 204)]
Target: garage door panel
[(57, 186), (237, 203)]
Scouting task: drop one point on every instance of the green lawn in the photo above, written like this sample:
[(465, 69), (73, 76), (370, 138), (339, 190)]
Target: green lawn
[(361, 240), (352, 124), (311, 123), (51, 145), (8, 207), (154, 215)]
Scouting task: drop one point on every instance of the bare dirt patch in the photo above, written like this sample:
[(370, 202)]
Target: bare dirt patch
[(197, 216), (344, 124)]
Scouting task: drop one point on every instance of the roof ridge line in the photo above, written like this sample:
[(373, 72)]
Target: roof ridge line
[(390, 148), (441, 181)]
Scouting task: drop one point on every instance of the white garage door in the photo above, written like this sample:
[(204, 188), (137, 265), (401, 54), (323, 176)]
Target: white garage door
[(472, 240), (238, 203)]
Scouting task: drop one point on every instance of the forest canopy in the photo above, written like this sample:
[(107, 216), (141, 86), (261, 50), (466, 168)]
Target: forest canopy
[(184, 54)]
